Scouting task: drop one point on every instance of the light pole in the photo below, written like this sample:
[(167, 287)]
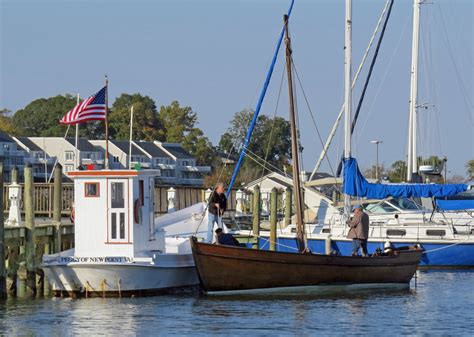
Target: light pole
[(377, 142)]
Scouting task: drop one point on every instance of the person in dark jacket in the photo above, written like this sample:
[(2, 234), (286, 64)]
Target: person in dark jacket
[(225, 238), (359, 232), (217, 207)]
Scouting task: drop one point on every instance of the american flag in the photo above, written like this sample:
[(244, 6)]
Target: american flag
[(91, 109)]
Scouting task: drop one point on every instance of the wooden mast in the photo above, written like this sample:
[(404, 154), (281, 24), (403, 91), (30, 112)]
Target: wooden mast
[(294, 146)]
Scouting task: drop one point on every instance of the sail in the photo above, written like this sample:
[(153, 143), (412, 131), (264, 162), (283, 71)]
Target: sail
[(356, 185)]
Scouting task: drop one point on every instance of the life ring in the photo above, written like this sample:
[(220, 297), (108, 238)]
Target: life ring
[(137, 207), (72, 216)]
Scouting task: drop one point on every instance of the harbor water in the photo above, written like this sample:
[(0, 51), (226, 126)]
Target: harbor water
[(437, 303)]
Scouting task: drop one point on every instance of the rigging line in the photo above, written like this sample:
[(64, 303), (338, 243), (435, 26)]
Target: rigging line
[(273, 123), (313, 119), (259, 160), (466, 97)]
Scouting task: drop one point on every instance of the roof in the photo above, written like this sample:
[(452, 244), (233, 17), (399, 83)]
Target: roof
[(124, 146), (5, 138), (82, 144), (29, 144), (177, 150), (152, 149)]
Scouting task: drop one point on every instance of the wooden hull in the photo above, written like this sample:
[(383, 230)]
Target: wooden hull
[(227, 268)]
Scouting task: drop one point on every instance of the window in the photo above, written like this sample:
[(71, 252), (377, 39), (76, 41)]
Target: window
[(68, 168), (91, 190), (436, 232), (116, 159), (118, 208), (396, 232), (69, 155)]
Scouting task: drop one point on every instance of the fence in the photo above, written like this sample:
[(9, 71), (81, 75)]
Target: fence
[(43, 197)]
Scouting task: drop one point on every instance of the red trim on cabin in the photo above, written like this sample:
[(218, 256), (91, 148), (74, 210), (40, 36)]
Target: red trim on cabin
[(92, 195), (108, 173)]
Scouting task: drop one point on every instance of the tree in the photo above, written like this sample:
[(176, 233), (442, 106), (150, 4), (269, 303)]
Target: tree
[(398, 172), (41, 117), (271, 141), (6, 123), (179, 126), (470, 169), (146, 124), (177, 122)]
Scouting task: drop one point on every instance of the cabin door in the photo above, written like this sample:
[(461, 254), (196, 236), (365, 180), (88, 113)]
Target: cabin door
[(151, 193), (118, 210)]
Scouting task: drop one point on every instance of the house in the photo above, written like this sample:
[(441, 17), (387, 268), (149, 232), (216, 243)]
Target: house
[(187, 172), (41, 162), (161, 160), (119, 154), (10, 156), (64, 151)]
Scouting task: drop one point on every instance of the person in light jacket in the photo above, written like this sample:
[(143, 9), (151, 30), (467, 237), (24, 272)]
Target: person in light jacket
[(217, 207), (359, 231)]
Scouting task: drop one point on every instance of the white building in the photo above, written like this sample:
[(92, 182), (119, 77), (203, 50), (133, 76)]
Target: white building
[(10, 156), (41, 162), (119, 154)]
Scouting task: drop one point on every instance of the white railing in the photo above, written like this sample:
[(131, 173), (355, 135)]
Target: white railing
[(196, 168)]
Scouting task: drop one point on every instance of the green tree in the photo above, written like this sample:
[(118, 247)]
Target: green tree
[(179, 126), (271, 141), (146, 124), (470, 169), (6, 123), (398, 172), (41, 117)]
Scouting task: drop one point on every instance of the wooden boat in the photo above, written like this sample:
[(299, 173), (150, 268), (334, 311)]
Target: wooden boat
[(226, 268), (236, 269)]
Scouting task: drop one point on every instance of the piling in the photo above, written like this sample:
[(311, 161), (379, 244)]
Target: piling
[(30, 259), (273, 217), (288, 205), (58, 176), (15, 175), (256, 215), (3, 284)]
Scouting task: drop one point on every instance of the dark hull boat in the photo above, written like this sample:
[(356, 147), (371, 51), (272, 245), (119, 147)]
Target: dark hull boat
[(229, 269)]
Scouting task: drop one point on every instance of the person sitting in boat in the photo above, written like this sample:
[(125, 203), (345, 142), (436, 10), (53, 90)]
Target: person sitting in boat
[(225, 238), (217, 207), (359, 231)]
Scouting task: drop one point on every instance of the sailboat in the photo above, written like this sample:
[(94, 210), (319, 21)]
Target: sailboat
[(229, 269)]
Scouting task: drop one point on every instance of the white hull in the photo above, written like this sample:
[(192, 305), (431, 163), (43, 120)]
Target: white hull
[(117, 279)]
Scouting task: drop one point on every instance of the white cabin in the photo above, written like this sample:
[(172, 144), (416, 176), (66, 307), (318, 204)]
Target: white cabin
[(114, 214)]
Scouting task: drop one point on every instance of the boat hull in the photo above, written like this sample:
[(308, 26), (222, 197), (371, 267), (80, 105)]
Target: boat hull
[(226, 268), (449, 254), (111, 280)]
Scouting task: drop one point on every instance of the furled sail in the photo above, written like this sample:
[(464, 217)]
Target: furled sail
[(356, 185), (455, 204)]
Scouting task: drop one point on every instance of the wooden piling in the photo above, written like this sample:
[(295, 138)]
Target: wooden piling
[(30, 260), (3, 284), (273, 217), (256, 215), (58, 176), (288, 205)]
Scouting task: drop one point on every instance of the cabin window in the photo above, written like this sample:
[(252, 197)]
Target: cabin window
[(141, 192), (436, 232), (396, 232), (326, 230), (118, 230), (91, 190)]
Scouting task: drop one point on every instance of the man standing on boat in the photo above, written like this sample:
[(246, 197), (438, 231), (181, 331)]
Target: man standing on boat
[(217, 207), (359, 231)]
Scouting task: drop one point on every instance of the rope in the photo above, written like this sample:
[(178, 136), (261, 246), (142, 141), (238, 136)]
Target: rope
[(445, 247)]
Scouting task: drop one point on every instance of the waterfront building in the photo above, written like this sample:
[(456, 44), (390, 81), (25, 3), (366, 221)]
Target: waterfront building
[(41, 162), (119, 154), (10, 156)]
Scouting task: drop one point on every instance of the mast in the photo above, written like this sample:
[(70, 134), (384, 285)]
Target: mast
[(294, 145), (347, 95), (77, 161), (130, 140), (106, 161), (412, 162)]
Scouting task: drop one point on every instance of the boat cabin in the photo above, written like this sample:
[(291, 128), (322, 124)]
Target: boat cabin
[(114, 213)]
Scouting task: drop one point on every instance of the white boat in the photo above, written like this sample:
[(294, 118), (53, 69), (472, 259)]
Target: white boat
[(120, 248)]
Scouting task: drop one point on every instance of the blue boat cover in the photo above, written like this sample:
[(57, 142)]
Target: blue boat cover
[(356, 185), (455, 205)]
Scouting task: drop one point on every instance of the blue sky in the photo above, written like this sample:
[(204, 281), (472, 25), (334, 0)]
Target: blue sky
[(213, 55)]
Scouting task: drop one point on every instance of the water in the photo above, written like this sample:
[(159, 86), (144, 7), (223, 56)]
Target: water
[(441, 304)]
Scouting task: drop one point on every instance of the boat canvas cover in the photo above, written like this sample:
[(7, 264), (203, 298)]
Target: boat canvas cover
[(455, 205), (356, 185)]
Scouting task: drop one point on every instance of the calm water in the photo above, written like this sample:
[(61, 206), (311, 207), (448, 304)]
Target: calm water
[(441, 304)]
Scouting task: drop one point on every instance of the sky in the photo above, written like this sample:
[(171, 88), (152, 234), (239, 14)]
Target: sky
[(213, 55)]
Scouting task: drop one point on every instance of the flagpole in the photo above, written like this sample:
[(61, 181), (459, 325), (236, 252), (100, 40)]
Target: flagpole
[(130, 143), (106, 123), (76, 159)]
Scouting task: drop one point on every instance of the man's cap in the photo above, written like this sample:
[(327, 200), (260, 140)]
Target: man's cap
[(356, 207)]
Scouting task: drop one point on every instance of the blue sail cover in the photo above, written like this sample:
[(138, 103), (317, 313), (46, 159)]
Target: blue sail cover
[(455, 205), (356, 185)]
